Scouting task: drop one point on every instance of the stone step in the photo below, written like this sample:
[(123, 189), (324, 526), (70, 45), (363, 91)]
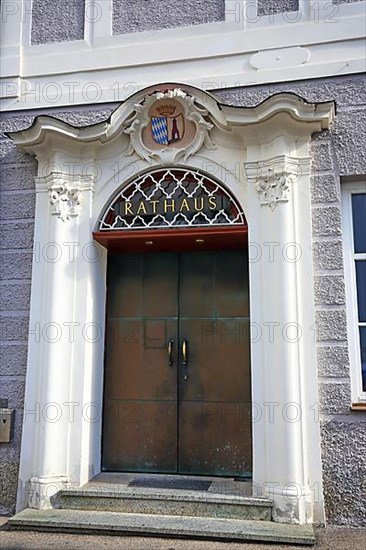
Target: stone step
[(168, 502), (162, 526)]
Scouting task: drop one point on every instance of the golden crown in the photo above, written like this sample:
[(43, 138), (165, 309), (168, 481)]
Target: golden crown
[(166, 110)]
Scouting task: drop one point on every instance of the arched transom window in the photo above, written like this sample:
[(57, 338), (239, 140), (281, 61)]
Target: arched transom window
[(172, 197)]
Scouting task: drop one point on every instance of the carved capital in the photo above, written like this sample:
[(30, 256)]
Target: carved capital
[(65, 193), (274, 178), (273, 186), (65, 201)]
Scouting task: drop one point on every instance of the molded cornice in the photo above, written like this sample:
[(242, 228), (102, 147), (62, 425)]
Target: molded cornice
[(311, 116)]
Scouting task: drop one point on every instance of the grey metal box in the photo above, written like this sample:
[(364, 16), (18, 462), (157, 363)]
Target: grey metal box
[(6, 424)]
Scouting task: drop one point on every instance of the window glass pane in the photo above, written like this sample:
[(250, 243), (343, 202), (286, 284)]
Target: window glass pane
[(361, 289), (363, 356), (359, 221)]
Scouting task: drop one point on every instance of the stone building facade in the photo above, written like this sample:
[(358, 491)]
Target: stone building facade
[(338, 157)]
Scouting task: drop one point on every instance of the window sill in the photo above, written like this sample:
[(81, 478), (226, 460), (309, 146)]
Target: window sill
[(358, 407)]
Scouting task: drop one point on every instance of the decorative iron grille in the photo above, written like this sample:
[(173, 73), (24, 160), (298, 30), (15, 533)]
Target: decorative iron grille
[(171, 198)]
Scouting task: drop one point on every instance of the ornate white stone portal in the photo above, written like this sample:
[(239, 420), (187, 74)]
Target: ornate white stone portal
[(261, 157)]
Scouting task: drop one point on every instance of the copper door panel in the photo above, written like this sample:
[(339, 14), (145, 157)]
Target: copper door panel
[(215, 438), (140, 436), (214, 385), (231, 284), (214, 400), (214, 284), (137, 359), (218, 362), (140, 411), (142, 285), (196, 284)]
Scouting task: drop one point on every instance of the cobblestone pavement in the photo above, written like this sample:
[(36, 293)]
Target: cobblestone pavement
[(331, 538)]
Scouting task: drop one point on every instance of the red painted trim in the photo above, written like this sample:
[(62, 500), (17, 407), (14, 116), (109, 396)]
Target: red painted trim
[(225, 236)]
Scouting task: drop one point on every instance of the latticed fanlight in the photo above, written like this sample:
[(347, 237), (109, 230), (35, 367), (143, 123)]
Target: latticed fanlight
[(172, 198)]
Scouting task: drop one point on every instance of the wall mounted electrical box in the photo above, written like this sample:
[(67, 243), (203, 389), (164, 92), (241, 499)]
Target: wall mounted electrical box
[(6, 425)]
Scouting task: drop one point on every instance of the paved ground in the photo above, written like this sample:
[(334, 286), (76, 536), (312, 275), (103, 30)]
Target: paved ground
[(332, 538)]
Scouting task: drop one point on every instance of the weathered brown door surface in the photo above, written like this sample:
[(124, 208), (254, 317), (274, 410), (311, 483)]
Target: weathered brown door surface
[(177, 372)]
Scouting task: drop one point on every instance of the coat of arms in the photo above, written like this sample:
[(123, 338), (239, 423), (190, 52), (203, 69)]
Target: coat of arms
[(167, 124)]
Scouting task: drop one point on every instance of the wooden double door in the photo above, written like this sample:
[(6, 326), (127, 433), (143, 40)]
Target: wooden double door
[(177, 394)]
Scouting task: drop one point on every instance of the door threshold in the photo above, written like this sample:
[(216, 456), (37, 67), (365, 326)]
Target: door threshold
[(173, 482)]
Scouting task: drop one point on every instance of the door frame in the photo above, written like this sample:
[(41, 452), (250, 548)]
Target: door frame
[(188, 239), (174, 240)]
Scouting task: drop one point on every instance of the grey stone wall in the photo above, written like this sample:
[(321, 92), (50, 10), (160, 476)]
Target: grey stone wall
[(16, 229), (64, 21), (57, 21), (133, 16), (336, 153), (345, 1), (268, 7)]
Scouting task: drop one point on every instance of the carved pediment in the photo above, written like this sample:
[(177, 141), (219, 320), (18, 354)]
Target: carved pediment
[(168, 123)]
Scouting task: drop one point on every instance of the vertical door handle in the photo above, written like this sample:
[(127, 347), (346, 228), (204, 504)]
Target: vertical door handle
[(170, 351), (185, 356)]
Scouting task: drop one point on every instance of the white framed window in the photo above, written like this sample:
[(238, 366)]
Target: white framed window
[(354, 252)]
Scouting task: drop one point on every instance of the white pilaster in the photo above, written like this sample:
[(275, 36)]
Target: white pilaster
[(51, 349), (280, 405)]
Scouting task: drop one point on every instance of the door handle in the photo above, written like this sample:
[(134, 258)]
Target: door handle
[(185, 356), (170, 351)]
